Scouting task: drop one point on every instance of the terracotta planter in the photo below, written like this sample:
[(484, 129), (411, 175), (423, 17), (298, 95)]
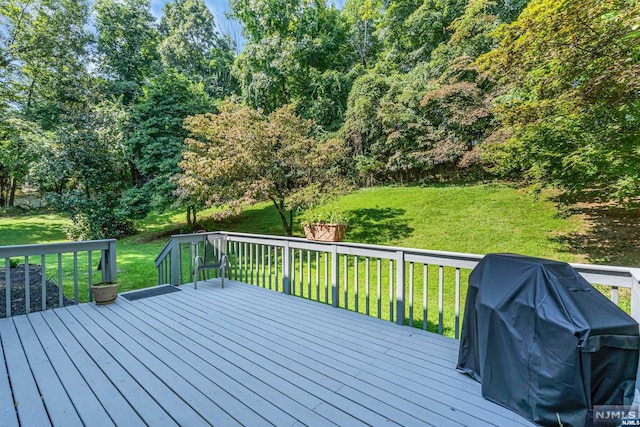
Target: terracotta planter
[(104, 293), (325, 232)]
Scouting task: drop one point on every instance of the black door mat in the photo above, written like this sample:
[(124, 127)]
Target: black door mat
[(151, 292)]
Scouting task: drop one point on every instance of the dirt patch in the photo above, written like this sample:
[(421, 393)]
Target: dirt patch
[(17, 281)]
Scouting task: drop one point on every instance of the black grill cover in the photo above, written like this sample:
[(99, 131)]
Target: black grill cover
[(544, 342)]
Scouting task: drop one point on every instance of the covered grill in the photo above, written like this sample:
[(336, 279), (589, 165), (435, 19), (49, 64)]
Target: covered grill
[(544, 342)]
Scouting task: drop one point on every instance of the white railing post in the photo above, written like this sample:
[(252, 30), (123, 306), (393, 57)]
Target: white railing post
[(335, 277), (286, 269), (175, 262), (400, 291)]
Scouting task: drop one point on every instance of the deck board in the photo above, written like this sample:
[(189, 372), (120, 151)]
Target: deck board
[(241, 355)]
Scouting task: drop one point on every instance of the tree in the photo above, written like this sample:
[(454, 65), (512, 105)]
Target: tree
[(363, 17), (92, 159), (241, 156), (42, 49), (412, 29), (297, 53), (157, 140), (127, 46), (191, 44), (569, 103), (20, 146)]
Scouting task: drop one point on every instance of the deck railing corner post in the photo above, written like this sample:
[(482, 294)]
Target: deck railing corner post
[(108, 263), (175, 262), (400, 287), (335, 277)]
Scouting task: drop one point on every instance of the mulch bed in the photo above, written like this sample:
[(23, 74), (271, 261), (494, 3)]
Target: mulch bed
[(18, 299)]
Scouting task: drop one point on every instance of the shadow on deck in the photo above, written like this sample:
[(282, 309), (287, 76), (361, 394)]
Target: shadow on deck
[(241, 355)]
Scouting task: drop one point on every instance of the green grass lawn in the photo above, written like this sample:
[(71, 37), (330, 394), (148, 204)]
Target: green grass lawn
[(473, 219)]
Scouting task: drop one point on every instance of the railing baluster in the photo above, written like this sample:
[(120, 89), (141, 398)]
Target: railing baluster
[(235, 260), (251, 278), (391, 290), (457, 321), (7, 283), (243, 262), (309, 275), (425, 296), (181, 263), (75, 277), (440, 298), (277, 255), (355, 283), (269, 249), (60, 292), (257, 258), (614, 295), (300, 271), (410, 294), (367, 282), (317, 276), (346, 282), (244, 272), (90, 274), (27, 285), (191, 272), (379, 289), (264, 280), (326, 277), (43, 280), (293, 272)]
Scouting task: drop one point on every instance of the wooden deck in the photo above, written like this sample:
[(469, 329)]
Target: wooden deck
[(241, 355)]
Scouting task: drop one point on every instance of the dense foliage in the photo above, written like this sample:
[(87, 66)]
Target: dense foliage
[(404, 90)]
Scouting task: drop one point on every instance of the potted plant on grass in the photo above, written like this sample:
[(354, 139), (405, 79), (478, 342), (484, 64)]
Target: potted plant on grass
[(324, 225), (104, 292)]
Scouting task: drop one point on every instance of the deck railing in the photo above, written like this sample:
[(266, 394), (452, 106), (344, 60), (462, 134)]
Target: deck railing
[(421, 288), (63, 262)]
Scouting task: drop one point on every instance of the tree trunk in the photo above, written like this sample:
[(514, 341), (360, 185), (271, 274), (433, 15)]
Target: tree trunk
[(12, 194), (136, 176), (288, 225), (191, 216), (3, 191)]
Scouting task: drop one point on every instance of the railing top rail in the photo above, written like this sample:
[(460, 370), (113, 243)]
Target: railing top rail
[(54, 248), (163, 253), (604, 274)]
